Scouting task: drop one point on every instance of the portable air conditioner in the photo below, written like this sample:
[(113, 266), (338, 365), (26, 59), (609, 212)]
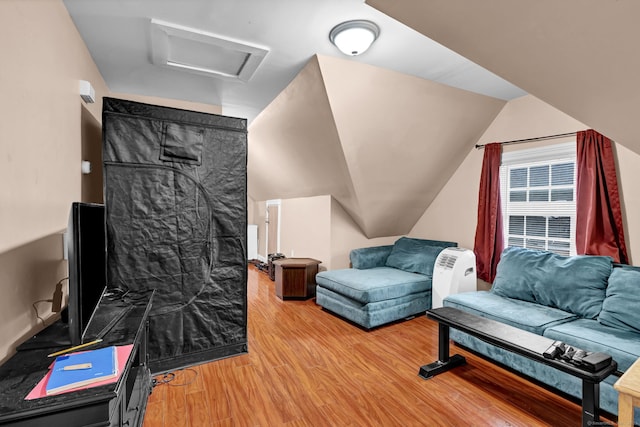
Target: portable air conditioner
[(454, 272)]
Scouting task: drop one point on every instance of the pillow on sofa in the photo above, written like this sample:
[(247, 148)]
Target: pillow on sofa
[(416, 255), (620, 307), (575, 284)]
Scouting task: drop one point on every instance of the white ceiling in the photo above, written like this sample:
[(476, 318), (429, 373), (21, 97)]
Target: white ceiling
[(118, 36)]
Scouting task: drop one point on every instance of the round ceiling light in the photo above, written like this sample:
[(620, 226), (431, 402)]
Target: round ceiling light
[(354, 37)]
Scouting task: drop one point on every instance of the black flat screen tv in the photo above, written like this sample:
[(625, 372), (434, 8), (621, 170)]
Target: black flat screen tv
[(86, 245)]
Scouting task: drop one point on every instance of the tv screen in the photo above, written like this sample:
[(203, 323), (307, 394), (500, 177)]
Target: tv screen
[(87, 265)]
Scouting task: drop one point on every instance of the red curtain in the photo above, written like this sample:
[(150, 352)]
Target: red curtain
[(489, 239), (599, 228)]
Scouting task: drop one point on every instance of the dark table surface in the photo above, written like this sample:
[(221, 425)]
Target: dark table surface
[(22, 372), (513, 339)]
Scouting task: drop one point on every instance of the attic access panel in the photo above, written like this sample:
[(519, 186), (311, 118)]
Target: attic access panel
[(175, 198), (202, 52)]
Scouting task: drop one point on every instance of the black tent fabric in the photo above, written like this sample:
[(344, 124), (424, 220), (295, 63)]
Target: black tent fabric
[(176, 221)]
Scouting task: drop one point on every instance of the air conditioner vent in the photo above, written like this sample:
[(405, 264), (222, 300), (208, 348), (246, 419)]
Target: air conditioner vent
[(447, 261)]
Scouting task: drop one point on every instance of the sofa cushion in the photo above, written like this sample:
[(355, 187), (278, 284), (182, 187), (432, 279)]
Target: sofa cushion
[(575, 284), (374, 314), (590, 335), (525, 315), (620, 307), (416, 255), (375, 256), (373, 284)]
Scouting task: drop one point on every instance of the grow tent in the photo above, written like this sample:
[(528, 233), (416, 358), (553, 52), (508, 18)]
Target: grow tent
[(176, 221)]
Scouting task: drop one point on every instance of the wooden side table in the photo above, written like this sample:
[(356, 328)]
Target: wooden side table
[(296, 277), (628, 386)]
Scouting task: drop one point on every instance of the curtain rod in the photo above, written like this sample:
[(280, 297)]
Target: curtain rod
[(538, 138)]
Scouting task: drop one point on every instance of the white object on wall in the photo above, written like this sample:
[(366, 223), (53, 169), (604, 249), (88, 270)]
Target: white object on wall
[(454, 272), (87, 93), (86, 167), (252, 241)]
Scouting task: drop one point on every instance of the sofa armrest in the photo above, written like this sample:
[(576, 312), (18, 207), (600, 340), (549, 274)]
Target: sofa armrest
[(375, 256)]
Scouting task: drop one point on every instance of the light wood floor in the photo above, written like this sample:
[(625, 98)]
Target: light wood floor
[(307, 367)]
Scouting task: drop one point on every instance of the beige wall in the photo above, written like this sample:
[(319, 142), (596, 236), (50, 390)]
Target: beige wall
[(28, 274), (305, 228), (453, 214), (259, 218), (46, 131), (544, 48), (40, 154), (251, 211), (44, 61), (316, 227), (628, 178), (346, 235)]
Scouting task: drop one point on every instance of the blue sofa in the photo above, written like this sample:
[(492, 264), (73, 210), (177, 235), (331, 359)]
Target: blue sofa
[(585, 301), (385, 284)]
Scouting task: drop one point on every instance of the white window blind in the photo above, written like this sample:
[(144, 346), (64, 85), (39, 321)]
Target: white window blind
[(538, 198)]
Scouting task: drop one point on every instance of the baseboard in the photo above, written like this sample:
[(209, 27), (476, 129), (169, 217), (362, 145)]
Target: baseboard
[(191, 359)]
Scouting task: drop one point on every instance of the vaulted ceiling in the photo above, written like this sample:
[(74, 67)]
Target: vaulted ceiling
[(382, 143)]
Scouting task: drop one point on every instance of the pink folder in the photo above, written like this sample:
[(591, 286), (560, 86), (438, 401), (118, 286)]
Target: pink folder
[(123, 355)]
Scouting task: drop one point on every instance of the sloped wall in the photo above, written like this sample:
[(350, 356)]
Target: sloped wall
[(453, 214), (381, 143), (346, 235), (576, 55)]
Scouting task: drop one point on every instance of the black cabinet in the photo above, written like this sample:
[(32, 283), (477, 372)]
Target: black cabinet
[(119, 320)]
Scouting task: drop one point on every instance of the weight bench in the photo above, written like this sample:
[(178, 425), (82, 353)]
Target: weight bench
[(518, 341)]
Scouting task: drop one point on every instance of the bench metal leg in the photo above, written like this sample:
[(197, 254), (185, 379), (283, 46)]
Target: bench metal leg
[(590, 403), (444, 362), (443, 342)]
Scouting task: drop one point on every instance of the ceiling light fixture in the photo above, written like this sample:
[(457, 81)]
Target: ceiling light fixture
[(354, 37)]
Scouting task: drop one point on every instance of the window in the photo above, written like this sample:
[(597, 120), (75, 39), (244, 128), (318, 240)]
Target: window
[(538, 198)]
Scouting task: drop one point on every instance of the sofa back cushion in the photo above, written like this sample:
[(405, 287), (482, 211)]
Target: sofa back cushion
[(575, 284), (371, 257), (620, 307), (416, 255)]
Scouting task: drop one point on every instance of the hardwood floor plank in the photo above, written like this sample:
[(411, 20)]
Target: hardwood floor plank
[(216, 394), (197, 409), (175, 407), (154, 414), (308, 367)]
